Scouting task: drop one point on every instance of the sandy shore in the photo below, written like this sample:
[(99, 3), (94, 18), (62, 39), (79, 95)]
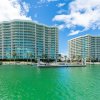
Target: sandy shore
[(17, 63), (93, 63), (32, 63)]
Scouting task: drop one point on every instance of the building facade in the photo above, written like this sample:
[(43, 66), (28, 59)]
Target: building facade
[(23, 39), (85, 47)]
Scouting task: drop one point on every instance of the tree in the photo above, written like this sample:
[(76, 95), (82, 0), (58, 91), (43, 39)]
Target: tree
[(44, 56), (27, 56), (14, 54), (89, 59), (73, 57), (78, 58), (30, 56), (92, 59), (68, 60), (59, 57), (65, 58)]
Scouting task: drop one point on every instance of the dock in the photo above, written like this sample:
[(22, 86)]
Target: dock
[(57, 66)]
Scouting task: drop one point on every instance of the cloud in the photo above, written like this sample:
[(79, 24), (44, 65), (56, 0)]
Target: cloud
[(61, 27), (52, 0), (61, 4), (74, 32), (83, 13), (61, 18), (61, 11), (46, 1), (13, 9)]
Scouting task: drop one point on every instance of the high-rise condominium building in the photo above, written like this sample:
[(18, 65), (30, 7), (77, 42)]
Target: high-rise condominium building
[(23, 38), (85, 46)]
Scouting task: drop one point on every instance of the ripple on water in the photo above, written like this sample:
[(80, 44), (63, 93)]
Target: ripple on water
[(27, 83)]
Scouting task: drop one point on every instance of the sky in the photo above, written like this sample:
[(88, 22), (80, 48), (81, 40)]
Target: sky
[(72, 17)]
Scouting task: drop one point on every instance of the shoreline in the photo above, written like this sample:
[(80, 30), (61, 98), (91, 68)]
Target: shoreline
[(89, 63), (17, 63), (52, 64)]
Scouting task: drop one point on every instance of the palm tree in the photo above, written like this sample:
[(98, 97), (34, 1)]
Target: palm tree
[(44, 56), (73, 57), (30, 56), (59, 57), (8, 53), (68, 60), (14, 54), (65, 58), (89, 59), (93, 59), (78, 58), (27, 56)]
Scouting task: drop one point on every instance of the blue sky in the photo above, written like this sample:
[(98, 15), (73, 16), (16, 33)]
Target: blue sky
[(72, 17)]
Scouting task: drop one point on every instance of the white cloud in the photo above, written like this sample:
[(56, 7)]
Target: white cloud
[(13, 9), (51, 0), (61, 27), (60, 18), (74, 32), (46, 1), (84, 13), (61, 11), (61, 4)]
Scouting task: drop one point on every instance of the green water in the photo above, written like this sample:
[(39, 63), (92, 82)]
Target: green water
[(28, 83)]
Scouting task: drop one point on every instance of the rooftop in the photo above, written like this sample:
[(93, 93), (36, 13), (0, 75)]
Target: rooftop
[(84, 36), (29, 21)]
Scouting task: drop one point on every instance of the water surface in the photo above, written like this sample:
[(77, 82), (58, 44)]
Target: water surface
[(28, 83)]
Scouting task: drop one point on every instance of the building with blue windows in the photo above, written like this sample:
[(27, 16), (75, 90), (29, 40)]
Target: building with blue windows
[(22, 39), (86, 46)]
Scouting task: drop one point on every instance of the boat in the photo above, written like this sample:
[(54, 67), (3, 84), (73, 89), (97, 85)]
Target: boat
[(48, 65), (55, 64), (41, 64)]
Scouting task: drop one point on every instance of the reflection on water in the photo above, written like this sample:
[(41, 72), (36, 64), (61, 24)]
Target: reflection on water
[(28, 83)]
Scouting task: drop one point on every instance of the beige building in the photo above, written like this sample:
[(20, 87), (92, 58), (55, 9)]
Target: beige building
[(86, 46)]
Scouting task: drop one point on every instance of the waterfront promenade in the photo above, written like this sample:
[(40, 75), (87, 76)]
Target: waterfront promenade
[(45, 65)]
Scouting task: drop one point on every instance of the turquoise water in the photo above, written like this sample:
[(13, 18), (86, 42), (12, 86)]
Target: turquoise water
[(28, 83)]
